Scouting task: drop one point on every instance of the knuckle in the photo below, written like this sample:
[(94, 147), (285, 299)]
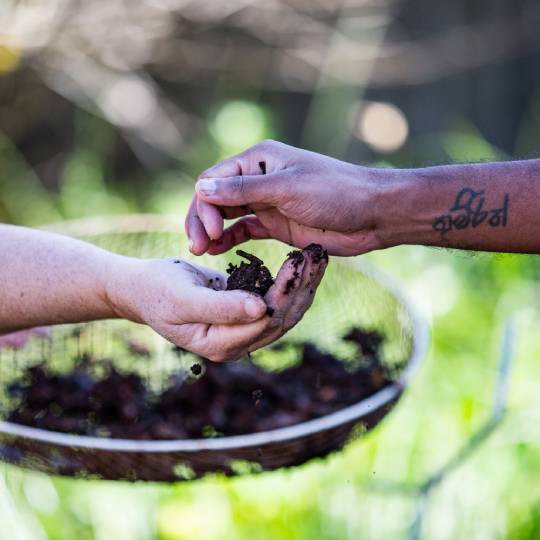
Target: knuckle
[(267, 143), (210, 352)]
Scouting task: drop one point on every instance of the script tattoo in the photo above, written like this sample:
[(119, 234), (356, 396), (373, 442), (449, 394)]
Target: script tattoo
[(468, 211)]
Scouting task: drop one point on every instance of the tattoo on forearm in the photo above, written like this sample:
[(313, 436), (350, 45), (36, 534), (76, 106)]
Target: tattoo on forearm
[(468, 211)]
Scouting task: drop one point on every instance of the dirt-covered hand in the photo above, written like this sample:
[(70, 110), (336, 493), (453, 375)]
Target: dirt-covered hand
[(188, 304), (298, 197)]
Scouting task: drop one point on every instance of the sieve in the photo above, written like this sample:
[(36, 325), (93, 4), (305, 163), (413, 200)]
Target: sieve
[(352, 294)]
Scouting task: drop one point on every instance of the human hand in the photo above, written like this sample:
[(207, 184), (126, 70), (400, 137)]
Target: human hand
[(298, 197), (187, 304)]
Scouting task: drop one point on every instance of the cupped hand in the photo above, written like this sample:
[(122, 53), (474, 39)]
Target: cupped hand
[(296, 196), (188, 304)]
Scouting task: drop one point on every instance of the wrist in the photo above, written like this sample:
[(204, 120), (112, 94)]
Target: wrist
[(120, 287), (398, 219)]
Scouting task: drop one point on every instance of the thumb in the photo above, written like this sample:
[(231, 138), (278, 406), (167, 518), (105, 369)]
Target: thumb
[(225, 307), (239, 190)]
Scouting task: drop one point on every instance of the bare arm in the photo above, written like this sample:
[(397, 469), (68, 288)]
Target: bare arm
[(481, 206), (301, 197), (47, 279)]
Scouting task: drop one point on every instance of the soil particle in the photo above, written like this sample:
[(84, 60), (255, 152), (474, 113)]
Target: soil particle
[(257, 395), (196, 369)]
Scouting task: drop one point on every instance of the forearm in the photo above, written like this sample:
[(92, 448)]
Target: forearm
[(482, 206), (49, 279)]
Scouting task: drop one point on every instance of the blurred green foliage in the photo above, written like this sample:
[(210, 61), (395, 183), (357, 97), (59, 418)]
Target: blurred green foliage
[(88, 187)]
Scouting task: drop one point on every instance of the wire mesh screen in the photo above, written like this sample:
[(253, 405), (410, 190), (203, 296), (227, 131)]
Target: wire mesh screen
[(348, 297)]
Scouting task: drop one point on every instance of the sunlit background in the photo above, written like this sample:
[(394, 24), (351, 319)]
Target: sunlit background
[(114, 106)]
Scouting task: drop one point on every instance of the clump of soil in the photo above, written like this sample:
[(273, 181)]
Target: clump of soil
[(196, 369), (226, 399), (253, 276)]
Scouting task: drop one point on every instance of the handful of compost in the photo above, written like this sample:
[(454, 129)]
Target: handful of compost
[(292, 292)]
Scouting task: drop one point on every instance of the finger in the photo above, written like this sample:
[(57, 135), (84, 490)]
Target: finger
[(268, 329), (227, 167), (225, 307), (211, 218), (319, 273), (278, 298), (247, 228), (217, 342), (242, 190), (300, 299), (198, 239), (316, 262), (234, 342), (252, 161)]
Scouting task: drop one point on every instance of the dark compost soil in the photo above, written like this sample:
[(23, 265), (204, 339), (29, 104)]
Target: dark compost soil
[(253, 276), (210, 400)]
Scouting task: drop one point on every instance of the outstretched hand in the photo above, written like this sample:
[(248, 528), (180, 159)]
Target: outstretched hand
[(188, 304), (298, 197)]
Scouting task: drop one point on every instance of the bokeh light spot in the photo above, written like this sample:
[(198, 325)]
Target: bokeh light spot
[(129, 102), (239, 125), (382, 126)]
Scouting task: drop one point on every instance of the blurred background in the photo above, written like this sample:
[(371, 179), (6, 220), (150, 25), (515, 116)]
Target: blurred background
[(114, 106)]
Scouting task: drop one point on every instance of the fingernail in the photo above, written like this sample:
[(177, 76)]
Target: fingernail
[(191, 244), (206, 186), (253, 308)]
